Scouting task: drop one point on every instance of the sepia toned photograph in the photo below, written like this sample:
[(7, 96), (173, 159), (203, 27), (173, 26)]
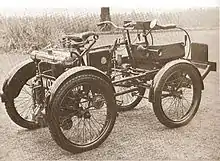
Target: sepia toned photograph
[(114, 80)]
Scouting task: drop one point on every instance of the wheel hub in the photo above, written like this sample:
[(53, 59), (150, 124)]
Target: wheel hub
[(177, 94)]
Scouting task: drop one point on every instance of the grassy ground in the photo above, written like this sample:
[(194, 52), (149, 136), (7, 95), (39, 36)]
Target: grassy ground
[(137, 134)]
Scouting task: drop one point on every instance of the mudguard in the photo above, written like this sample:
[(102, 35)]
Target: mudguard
[(17, 78), (163, 70), (72, 73)]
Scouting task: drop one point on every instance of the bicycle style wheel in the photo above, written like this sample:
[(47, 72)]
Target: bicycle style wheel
[(177, 95), (23, 109), (82, 113)]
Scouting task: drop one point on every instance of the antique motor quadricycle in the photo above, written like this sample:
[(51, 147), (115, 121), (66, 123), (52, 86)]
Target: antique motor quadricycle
[(78, 89)]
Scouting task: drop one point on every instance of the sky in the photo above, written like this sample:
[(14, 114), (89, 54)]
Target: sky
[(37, 7)]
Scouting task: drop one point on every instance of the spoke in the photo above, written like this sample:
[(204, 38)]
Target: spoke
[(77, 124), (25, 109), (20, 102), (172, 81), (186, 101), (96, 125), (178, 86), (78, 131), (167, 99), (95, 132), (166, 95), (97, 121), (26, 113), (24, 96), (177, 108), (183, 113), (86, 128), (72, 131), (170, 103), (174, 110), (187, 108), (174, 100), (25, 90), (19, 98)]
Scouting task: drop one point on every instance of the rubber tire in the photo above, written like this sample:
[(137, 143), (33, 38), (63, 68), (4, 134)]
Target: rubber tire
[(14, 115), (54, 128), (134, 103), (158, 110)]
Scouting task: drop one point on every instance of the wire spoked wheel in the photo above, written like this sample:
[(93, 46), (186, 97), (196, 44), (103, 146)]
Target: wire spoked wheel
[(177, 95), (83, 113), (24, 108), (128, 100)]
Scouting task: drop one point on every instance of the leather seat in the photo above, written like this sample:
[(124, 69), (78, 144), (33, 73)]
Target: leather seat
[(79, 37), (73, 37)]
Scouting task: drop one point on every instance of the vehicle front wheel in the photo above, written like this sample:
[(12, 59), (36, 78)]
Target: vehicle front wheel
[(82, 113)]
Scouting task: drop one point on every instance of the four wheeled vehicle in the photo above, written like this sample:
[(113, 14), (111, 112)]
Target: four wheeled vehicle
[(78, 89)]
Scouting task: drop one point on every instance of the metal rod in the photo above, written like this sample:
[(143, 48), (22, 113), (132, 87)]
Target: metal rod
[(126, 91), (128, 78), (144, 85), (138, 69), (140, 96), (47, 76), (128, 36), (202, 65), (134, 77), (101, 47), (206, 72)]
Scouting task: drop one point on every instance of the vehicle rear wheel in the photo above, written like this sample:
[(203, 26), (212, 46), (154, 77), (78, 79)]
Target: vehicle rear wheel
[(22, 109), (177, 95), (128, 100), (82, 113)]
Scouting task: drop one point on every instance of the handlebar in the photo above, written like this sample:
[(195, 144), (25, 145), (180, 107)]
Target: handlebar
[(132, 24), (125, 26), (167, 26)]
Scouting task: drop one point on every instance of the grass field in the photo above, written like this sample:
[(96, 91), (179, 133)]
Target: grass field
[(137, 134)]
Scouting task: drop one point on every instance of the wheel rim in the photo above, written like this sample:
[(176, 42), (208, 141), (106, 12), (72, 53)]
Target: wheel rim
[(178, 96), (83, 115), (24, 102)]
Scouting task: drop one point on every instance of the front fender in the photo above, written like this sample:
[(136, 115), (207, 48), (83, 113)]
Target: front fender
[(17, 77), (164, 69), (72, 73)]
